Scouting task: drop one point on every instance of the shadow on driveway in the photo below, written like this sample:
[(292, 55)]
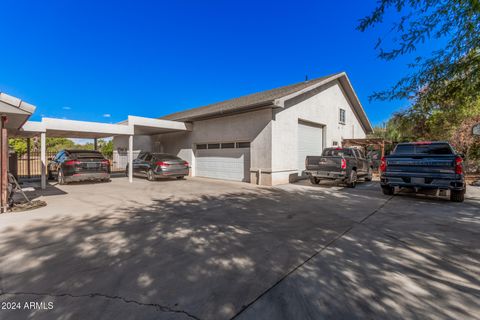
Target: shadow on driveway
[(275, 253)]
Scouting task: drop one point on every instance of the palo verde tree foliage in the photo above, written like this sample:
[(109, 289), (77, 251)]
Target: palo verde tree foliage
[(443, 87), (454, 67)]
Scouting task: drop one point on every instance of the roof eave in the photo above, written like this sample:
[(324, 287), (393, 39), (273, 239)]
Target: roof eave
[(342, 76), (223, 112)]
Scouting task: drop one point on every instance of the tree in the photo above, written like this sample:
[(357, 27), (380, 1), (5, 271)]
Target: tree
[(106, 147), (57, 144), (464, 141), (453, 70), (19, 145)]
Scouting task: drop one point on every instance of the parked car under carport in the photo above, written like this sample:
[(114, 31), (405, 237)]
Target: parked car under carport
[(78, 165), (159, 165)]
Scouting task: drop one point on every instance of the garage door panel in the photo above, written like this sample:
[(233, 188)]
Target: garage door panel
[(310, 143), (227, 164)]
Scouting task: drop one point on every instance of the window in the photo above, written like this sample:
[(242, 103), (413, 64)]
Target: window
[(201, 146), (243, 144), (342, 116), (148, 157), (335, 143), (437, 148), (214, 146), (164, 156), (336, 152), (229, 145)]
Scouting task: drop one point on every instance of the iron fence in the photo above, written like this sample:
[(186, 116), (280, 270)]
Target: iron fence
[(30, 165)]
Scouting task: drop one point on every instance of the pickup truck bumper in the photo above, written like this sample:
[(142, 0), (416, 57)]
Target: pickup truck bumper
[(422, 182), (342, 175)]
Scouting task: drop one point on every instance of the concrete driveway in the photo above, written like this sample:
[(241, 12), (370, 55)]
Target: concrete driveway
[(206, 249)]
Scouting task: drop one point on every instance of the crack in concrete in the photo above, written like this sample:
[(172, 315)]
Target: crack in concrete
[(93, 295), (316, 253)]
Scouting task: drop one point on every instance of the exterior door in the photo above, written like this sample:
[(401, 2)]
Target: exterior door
[(310, 143)]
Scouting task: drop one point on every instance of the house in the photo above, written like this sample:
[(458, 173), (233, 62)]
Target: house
[(262, 138)]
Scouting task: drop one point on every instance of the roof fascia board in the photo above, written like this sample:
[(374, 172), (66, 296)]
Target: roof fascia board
[(350, 92), (158, 123), (86, 127), (224, 113)]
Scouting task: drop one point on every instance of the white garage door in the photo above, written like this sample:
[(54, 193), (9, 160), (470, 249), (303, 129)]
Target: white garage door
[(310, 143), (227, 164)]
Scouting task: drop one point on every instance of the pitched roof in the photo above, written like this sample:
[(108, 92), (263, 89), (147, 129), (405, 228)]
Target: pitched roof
[(272, 98), (252, 100)]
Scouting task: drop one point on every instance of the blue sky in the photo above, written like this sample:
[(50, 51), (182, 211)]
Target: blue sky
[(103, 60)]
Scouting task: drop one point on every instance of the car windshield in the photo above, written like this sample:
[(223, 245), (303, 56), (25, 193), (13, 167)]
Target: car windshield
[(164, 156), (337, 152), (85, 154), (436, 148)]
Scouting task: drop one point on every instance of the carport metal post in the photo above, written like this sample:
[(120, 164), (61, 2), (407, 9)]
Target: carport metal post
[(130, 158), (43, 158)]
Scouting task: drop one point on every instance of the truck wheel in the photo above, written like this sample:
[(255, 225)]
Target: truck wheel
[(314, 180), (389, 191), (457, 195), (352, 181)]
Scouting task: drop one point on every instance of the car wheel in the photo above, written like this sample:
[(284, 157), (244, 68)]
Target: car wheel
[(60, 177), (457, 195), (389, 191), (150, 175), (314, 180), (352, 181), (126, 172), (50, 175), (369, 175), (180, 178)]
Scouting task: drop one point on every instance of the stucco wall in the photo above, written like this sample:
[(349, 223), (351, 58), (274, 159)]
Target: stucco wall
[(321, 107), (140, 143), (254, 127)]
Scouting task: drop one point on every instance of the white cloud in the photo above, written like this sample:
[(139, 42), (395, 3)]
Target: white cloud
[(107, 115), (66, 108)]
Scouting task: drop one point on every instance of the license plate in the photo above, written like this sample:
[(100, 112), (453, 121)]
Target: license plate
[(92, 165), (417, 180)]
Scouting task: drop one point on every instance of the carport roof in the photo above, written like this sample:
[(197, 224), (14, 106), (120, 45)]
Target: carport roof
[(90, 130), (16, 110)]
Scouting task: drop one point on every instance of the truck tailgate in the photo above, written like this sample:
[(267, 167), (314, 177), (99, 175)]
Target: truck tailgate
[(330, 163), (421, 164)]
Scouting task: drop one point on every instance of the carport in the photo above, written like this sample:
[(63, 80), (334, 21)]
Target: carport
[(13, 114), (61, 128)]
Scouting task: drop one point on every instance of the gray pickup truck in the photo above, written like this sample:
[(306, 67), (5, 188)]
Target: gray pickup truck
[(346, 165), (422, 166)]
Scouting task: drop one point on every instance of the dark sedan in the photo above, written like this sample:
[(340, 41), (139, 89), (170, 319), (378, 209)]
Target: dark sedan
[(78, 165), (159, 165)]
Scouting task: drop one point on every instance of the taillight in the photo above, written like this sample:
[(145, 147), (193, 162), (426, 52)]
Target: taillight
[(344, 164), (186, 164), (71, 162), (162, 164), (458, 165), (383, 165), (106, 162)]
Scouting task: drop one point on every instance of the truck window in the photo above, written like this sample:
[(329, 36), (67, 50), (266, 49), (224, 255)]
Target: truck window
[(337, 152), (435, 148)]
